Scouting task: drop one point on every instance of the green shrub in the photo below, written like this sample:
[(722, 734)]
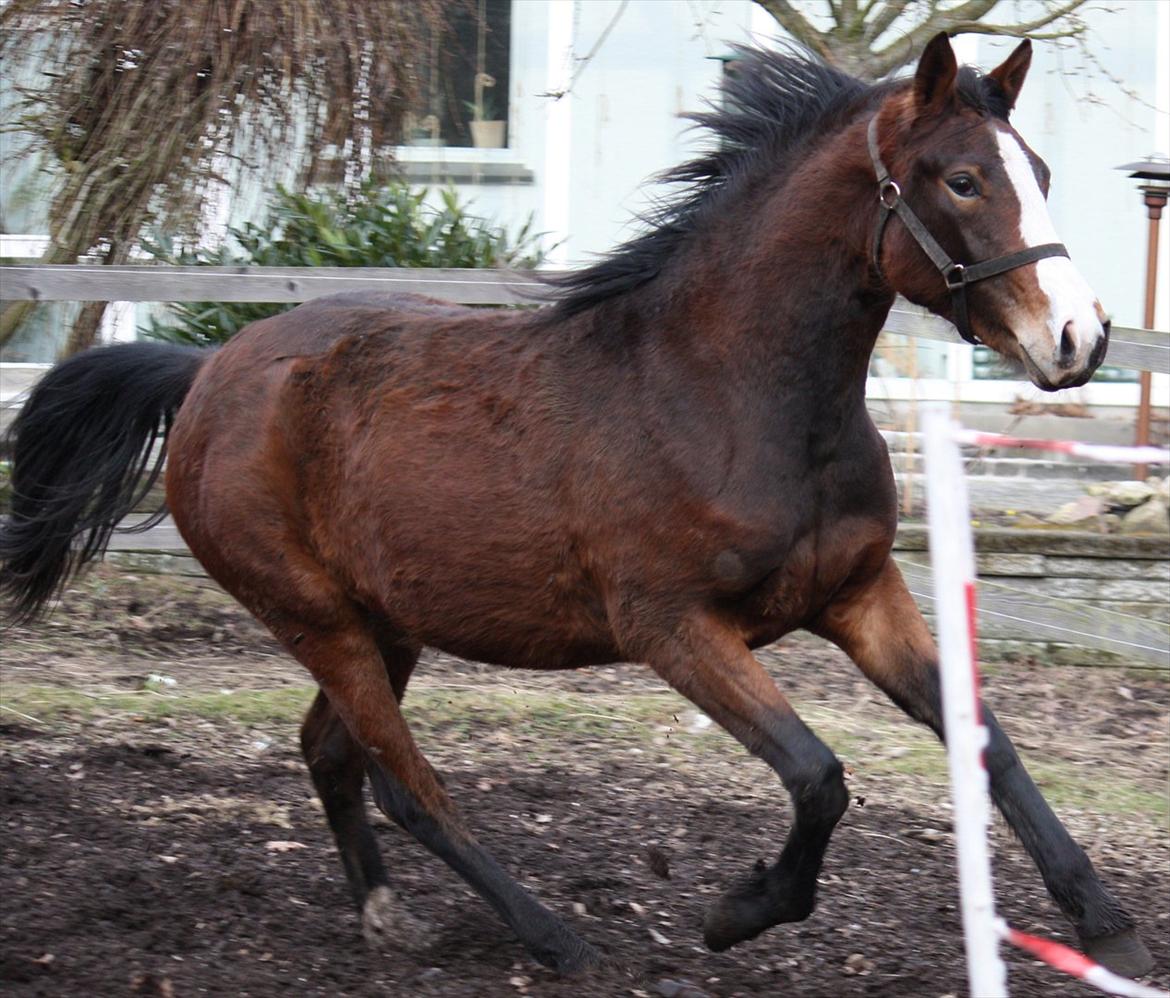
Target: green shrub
[(384, 225)]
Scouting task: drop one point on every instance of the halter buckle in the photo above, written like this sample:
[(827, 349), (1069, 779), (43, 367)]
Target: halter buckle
[(889, 193), (955, 276)]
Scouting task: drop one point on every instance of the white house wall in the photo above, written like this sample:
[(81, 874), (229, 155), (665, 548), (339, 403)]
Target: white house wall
[(623, 108)]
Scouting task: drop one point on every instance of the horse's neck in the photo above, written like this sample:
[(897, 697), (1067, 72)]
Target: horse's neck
[(781, 299)]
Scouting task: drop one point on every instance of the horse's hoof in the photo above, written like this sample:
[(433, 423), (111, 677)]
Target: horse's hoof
[(576, 959), (1122, 952), (747, 910), (731, 920), (679, 989), (386, 924)]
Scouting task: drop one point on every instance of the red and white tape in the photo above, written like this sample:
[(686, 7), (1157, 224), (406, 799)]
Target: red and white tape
[(1068, 960), (1090, 452), (952, 554)]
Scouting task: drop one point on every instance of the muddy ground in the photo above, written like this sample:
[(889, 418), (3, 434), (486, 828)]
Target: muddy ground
[(161, 837)]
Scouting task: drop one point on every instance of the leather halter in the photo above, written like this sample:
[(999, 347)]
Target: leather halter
[(956, 275)]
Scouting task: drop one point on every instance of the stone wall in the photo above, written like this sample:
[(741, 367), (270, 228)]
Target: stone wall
[(1087, 572)]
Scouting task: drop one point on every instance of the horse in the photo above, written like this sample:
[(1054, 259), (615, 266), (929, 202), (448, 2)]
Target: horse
[(669, 463)]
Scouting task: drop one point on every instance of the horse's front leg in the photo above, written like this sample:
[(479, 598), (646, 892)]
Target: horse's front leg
[(881, 629), (713, 668)]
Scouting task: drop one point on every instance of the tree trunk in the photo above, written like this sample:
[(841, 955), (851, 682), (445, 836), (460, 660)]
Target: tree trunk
[(88, 324), (14, 314), (86, 327), (12, 318)]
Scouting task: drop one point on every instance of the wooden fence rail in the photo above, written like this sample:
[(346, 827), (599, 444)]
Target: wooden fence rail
[(1136, 349)]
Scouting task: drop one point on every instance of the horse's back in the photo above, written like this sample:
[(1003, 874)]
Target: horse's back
[(314, 325), (385, 301)]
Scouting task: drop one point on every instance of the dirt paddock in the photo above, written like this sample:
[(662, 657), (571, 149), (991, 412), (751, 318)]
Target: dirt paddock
[(161, 837)]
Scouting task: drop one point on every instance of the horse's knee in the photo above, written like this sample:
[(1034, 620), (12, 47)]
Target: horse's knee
[(833, 794), (819, 793)]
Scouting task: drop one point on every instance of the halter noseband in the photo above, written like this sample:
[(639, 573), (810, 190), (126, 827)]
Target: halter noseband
[(956, 275)]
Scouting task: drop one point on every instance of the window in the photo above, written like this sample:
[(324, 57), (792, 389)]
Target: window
[(464, 78)]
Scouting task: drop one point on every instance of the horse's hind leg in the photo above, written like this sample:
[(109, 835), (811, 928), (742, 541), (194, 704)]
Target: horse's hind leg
[(714, 669), (337, 767), (882, 630), (333, 640)]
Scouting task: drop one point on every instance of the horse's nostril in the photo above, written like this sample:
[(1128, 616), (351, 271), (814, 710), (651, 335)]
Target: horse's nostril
[(1068, 346)]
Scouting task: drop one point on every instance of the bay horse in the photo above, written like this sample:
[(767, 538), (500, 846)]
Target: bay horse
[(671, 463)]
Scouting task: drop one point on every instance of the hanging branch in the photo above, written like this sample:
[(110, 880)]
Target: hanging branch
[(141, 104)]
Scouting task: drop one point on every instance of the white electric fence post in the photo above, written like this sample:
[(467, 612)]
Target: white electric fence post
[(952, 558)]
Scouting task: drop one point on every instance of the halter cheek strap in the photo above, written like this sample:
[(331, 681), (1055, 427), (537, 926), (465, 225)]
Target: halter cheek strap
[(956, 275)]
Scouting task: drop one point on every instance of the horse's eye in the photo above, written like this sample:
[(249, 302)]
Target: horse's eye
[(963, 185)]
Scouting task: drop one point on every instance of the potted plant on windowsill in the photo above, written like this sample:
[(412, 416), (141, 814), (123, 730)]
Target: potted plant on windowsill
[(423, 131), (487, 130)]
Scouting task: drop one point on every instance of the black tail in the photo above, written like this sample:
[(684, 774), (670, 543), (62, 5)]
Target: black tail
[(81, 445)]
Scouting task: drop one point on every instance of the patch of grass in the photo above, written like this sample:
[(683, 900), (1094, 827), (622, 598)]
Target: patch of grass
[(662, 721), (544, 712), (1067, 786), (909, 751), (54, 703)]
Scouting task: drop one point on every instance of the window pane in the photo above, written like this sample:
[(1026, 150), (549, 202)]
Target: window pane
[(474, 42)]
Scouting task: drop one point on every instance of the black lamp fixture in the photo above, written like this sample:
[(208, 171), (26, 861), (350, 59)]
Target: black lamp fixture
[(1156, 168), (1153, 175)]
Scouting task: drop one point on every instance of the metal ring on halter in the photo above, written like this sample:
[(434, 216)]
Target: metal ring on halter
[(955, 276), (891, 188)]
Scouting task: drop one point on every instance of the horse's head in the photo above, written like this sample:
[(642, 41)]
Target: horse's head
[(967, 232)]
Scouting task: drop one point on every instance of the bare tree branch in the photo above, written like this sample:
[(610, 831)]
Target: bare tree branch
[(798, 27), (1026, 28), (904, 48), (872, 38), (850, 20), (966, 17), (890, 11)]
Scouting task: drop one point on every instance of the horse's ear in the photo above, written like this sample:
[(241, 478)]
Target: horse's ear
[(934, 80), (1011, 72)]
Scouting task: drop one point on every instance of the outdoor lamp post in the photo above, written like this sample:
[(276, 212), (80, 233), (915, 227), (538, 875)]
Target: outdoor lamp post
[(1153, 175)]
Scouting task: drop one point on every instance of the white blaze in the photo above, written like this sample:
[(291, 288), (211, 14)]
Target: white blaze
[(1070, 299)]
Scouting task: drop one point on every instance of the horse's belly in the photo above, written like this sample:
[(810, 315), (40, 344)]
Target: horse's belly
[(488, 588), (525, 630)]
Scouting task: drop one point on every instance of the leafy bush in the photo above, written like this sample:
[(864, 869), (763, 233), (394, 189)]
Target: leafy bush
[(383, 225)]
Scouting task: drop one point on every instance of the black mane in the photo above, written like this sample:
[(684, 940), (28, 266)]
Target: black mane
[(774, 104)]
